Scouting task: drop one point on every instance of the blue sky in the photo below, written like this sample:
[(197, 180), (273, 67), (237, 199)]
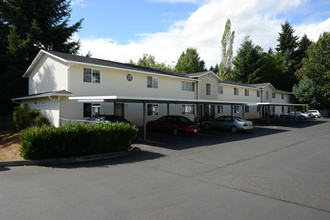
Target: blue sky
[(127, 29)]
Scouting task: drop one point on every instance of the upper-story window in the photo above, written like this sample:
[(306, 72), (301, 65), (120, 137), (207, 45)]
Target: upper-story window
[(220, 89), (236, 91), (152, 82), (282, 96), (247, 92), (258, 93), (188, 86), (267, 95), (273, 95), (92, 75), (208, 89)]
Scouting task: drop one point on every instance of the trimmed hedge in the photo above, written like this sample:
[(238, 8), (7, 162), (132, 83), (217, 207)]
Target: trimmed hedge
[(75, 140)]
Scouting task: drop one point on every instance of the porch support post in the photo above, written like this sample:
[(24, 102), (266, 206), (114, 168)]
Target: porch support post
[(231, 109), (144, 122), (114, 108), (243, 109), (168, 108), (268, 114)]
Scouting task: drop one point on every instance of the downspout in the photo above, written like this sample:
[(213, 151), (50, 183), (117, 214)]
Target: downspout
[(69, 72), (59, 110)]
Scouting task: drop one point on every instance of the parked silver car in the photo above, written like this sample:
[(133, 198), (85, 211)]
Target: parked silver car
[(315, 113), (231, 123), (299, 115)]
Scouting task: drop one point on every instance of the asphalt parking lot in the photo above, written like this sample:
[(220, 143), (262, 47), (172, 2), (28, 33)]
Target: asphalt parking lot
[(274, 172)]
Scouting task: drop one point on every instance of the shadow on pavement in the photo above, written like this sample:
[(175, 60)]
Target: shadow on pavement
[(132, 158), (205, 138), (291, 122)]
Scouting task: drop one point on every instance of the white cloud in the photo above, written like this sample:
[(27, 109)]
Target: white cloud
[(204, 28), (81, 3), (180, 1)]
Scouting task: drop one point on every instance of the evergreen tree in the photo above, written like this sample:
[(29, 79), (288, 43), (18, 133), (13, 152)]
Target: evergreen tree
[(247, 63), (303, 45), (271, 70), (227, 41), (215, 69), (190, 62), (25, 28), (286, 48)]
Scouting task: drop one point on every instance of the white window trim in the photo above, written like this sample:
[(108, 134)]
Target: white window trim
[(220, 90), (210, 89), (152, 84), (152, 109), (91, 75), (184, 112), (92, 103), (184, 88), (236, 89)]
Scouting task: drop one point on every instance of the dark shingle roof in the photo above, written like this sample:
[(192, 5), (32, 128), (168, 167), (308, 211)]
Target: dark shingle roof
[(236, 83), (45, 94), (82, 59)]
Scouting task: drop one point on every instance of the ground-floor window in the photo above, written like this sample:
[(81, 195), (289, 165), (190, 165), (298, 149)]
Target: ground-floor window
[(236, 109), (152, 109), (220, 109), (91, 109), (247, 109), (188, 109)]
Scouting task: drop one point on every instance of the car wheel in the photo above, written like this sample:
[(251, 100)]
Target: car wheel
[(174, 132), (206, 126), (302, 117), (233, 129)]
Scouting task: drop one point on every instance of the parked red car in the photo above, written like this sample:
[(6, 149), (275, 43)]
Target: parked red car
[(174, 124)]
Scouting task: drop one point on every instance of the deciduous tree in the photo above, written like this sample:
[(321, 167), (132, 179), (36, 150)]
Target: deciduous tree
[(227, 41)]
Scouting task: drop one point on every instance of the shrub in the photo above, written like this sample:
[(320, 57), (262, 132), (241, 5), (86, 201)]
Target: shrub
[(75, 140), (24, 117)]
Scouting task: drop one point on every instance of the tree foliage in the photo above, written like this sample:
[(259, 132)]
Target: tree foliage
[(288, 43), (307, 91), (190, 62), (227, 42), (25, 28), (149, 61), (316, 72), (247, 63)]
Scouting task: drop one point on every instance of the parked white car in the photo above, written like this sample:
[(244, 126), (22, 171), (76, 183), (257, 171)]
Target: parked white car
[(315, 113)]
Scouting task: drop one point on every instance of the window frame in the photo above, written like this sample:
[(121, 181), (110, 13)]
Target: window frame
[(91, 109), (184, 109), (247, 109), (95, 75), (210, 90), (247, 92), (220, 89), (152, 109), (236, 91), (153, 78), (184, 86), (273, 95)]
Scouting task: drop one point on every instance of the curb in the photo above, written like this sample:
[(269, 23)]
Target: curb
[(133, 150)]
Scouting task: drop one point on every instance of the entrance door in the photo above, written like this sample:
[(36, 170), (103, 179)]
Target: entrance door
[(119, 109)]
